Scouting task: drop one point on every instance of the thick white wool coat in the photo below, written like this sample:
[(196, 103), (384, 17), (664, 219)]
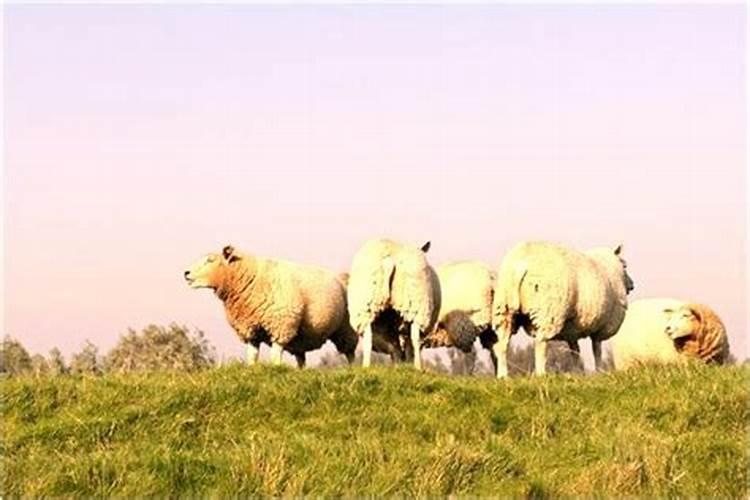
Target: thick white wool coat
[(294, 305), (642, 336), (565, 294), (386, 274), (466, 304)]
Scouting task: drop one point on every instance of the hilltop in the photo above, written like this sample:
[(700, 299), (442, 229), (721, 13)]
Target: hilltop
[(381, 431)]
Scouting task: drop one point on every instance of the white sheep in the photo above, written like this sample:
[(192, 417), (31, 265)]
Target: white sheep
[(555, 293), (395, 292), (663, 330), (293, 307), (465, 309)]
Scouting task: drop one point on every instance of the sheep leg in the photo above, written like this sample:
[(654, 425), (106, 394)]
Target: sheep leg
[(367, 346), (300, 360), (416, 342), (499, 353), (252, 353), (276, 351), (576, 350), (540, 356), (349, 357), (470, 360), (596, 346)]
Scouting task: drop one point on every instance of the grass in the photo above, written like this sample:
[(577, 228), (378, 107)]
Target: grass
[(659, 431)]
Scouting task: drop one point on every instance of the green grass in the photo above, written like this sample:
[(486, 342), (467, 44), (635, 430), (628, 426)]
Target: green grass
[(382, 431)]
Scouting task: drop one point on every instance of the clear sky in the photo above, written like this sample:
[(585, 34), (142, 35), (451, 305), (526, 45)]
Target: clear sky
[(138, 138)]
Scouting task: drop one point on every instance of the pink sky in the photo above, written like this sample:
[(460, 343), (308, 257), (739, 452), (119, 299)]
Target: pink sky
[(138, 138)]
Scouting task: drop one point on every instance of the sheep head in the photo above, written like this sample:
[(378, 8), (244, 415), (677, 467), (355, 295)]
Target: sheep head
[(209, 271)]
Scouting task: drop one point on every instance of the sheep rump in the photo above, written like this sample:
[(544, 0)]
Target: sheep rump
[(555, 293), (394, 294)]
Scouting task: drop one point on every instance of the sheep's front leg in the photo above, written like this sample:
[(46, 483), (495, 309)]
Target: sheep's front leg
[(540, 356), (367, 346), (252, 353), (300, 360), (596, 346), (416, 343), (276, 351)]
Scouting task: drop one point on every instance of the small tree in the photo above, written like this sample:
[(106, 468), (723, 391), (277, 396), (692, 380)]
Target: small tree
[(87, 361), (56, 362), (39, 365), (14, 358), (161, 348)]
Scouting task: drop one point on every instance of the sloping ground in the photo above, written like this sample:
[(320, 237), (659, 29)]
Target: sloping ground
[(382, 431)]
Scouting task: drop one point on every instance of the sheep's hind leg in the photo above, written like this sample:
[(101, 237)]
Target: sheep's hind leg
[(470, 360), (416, 342), (499, 352), (540, 356), (596, 346), (576, 350), (367, 346)]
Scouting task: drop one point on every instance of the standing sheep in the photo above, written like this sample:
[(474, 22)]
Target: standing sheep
[(556, 293), (669, 331), (395, 292), (293, 307), (465, 309)]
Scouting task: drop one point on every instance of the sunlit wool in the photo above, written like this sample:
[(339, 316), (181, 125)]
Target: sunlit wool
[(465, 308), (664, 330), (558, 293), (297, 307), (393, 293)]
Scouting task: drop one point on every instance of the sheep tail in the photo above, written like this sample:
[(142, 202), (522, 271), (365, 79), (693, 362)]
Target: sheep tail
[(514, 299), (507, 297), (389, 271)]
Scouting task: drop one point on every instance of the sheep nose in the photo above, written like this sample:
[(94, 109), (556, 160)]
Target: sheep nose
[(187, 273)]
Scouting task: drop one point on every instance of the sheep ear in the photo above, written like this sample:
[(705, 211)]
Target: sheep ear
[(695, 312), (228, 253), (618, 249), (426, 247)]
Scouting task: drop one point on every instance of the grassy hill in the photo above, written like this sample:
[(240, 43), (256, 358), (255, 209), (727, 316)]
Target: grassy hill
[(382, 431)]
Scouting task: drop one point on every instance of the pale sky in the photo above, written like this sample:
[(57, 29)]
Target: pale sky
[(138, 138)]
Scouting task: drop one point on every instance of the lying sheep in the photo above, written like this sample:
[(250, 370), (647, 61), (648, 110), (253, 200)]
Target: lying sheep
[(393, 291), (293, 307), (669, 331), (556, 293), (465, 310)]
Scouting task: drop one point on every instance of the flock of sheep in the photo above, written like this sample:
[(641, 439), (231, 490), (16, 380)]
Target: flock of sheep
[(398, 304)]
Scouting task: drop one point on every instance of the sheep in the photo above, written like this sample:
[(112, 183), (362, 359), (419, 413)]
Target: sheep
[(465, 309), (556, 293), (293, 307), (395, 292), (664, 330)]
